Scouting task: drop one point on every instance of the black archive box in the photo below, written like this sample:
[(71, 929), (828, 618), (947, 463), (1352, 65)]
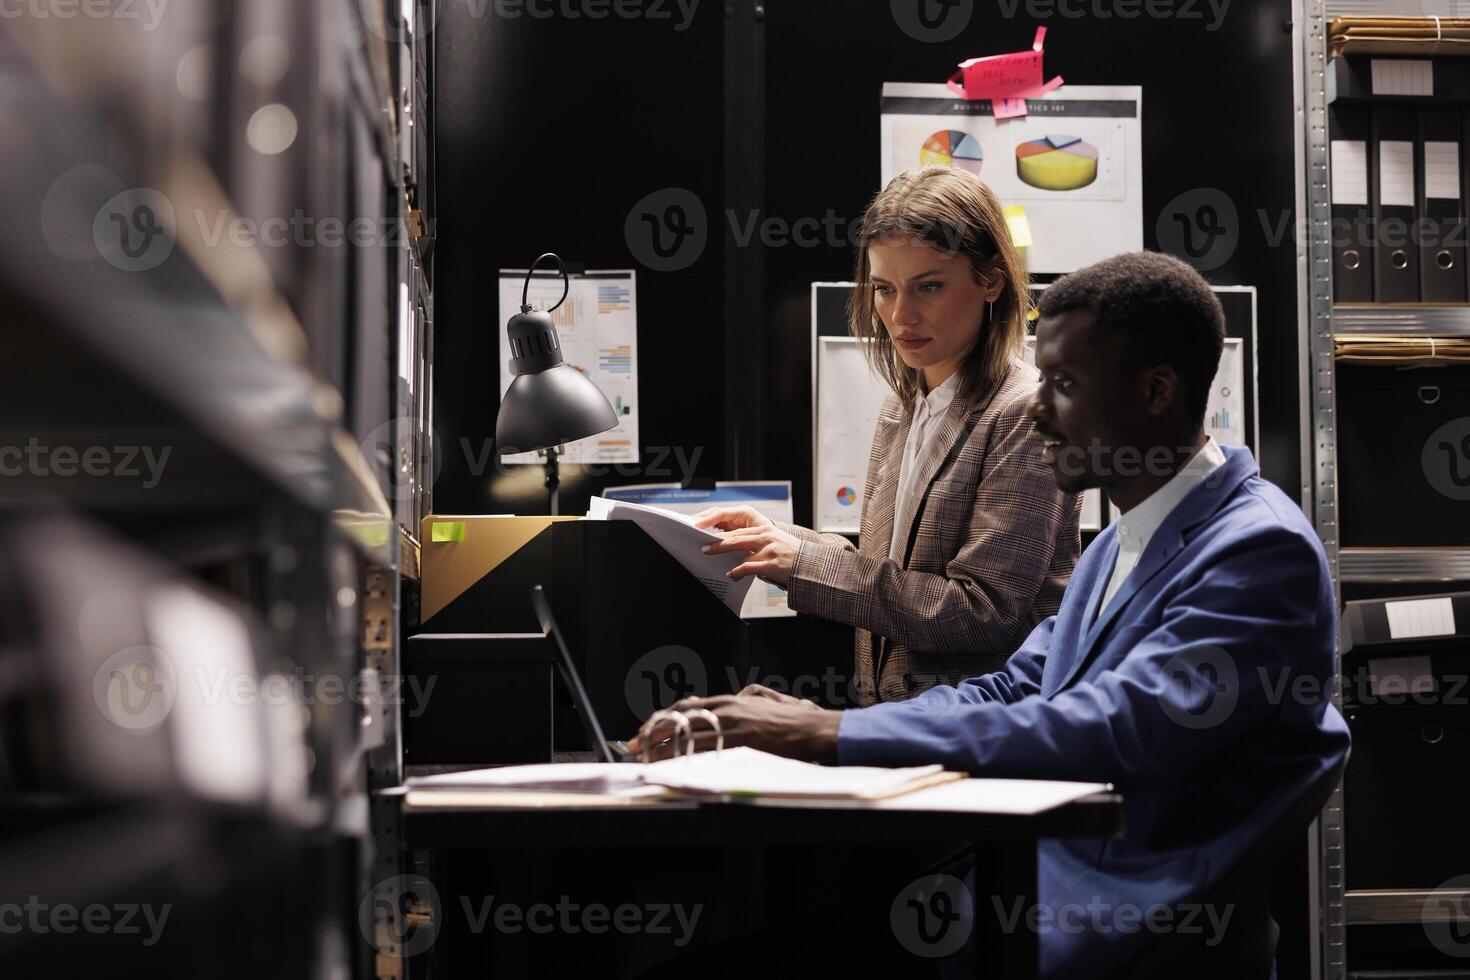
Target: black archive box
[(1407, 701), (1403, 462)]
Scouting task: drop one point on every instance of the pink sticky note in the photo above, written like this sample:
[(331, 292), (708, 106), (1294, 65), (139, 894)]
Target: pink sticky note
[(1008, 108), (1004, 76)]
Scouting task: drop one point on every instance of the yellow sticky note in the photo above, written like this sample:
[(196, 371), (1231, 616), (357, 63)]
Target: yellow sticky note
[(447, 531), (1020, 227)]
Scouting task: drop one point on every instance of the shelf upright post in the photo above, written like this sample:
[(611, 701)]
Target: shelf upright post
[(1314, 284)]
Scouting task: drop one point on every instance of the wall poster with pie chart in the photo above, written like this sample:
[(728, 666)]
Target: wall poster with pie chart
[(1074, 162)]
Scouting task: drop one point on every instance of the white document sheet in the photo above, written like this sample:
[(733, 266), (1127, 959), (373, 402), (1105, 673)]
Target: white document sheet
[(677, 535), (1018, 796), (771, 497), (745, 771), (589, 777)]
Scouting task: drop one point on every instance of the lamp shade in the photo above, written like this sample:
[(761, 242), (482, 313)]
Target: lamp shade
[(548, 403)]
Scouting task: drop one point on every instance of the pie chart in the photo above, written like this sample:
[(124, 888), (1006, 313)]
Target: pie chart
[(846, 496), (952, 148), (1057, 163)]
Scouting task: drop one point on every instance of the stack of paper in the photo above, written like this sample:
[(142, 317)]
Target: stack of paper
[(736, 773), (1399, 35), (677, 535), (750, 772), (568, 777)]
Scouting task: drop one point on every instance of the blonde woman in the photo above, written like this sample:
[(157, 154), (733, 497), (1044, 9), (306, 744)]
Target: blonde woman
[(966, 543)]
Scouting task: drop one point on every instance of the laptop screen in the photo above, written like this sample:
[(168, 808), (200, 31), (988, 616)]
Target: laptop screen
[(571, 678)]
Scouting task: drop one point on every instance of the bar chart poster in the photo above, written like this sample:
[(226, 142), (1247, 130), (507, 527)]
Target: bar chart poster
[(597, 327), (1225, 417)]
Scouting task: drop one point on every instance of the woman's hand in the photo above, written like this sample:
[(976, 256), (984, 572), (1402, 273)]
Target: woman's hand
[(731, 518), (772, 552)]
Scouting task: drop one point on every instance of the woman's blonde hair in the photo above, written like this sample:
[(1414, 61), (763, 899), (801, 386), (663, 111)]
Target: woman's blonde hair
[(953, 212)]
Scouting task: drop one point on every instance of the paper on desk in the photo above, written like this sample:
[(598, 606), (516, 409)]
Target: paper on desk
[(587, 777), (1010, 796), (1007, 797), (520, 799), (685, 543), (745, 771), (737, 772)]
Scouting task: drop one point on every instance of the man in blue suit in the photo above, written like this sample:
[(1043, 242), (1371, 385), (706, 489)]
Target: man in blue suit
[(1191, 658)]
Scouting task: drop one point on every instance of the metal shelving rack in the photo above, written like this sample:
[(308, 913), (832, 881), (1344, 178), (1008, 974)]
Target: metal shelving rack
[(1334, 908), (1314, 279), (270, 499)]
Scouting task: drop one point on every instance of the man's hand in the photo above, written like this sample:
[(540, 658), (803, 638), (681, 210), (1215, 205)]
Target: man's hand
[(761, 691), (772, 552), (799, 730)]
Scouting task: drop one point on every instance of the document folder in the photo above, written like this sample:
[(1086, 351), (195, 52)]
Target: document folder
[(1352, 224), (1441, 201), (1395, 256)]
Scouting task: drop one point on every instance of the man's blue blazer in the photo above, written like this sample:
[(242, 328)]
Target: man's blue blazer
[(1201, 693)]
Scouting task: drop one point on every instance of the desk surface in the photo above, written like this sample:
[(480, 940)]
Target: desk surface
[(687, 822)]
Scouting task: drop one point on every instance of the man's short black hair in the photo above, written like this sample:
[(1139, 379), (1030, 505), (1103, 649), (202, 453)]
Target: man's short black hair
[(1156, 310)]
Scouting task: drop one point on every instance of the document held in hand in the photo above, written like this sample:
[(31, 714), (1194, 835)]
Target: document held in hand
[(685, 543)]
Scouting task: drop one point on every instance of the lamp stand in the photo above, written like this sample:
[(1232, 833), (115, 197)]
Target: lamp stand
[(553, 479)]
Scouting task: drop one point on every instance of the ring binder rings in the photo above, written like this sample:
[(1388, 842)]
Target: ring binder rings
[(681, 726), (683, 723), (714, 722)]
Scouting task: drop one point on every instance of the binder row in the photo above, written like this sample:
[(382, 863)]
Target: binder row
[(1399, 187)]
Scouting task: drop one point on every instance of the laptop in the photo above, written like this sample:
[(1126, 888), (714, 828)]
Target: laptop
[(615, 751)]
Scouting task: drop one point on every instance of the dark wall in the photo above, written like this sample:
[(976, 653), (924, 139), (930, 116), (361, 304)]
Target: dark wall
[(1217, 113), (551, 130)]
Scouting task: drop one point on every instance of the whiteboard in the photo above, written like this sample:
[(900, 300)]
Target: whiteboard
[(849, 397)]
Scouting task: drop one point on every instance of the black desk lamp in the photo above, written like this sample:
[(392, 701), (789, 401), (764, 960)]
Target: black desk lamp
[(548, 403)]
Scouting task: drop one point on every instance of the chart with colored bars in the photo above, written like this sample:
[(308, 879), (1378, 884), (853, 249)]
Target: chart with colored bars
[(613, 298), (952, 148), (1225, 409), (616, 360), (598, 330), (1057, 163)]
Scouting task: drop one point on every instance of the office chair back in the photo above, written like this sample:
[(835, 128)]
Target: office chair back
[(1248, 949)]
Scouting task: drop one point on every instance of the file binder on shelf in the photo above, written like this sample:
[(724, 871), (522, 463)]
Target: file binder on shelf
[(1352, 224), (1395, 254), (1441, 204)]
